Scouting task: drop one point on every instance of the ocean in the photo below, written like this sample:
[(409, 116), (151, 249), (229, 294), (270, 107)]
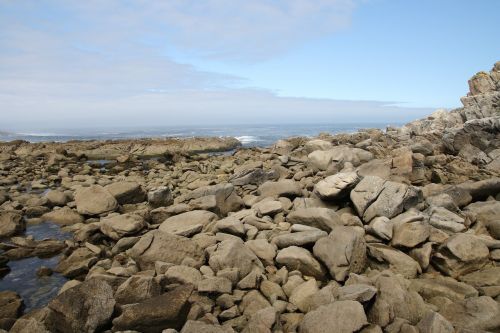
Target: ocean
[(248, 135)]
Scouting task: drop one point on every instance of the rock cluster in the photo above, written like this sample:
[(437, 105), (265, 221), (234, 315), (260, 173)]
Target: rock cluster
[(375, 231)]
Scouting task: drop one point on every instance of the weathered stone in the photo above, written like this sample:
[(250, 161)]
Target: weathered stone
[(161, 246), (433, 322), (355, 292), (440, 286), (339, 317), (443, 219), (233, 253), (85, 308), (183, 275), (11, 223), (218, 285), (297, 258), (192, 326), (10, 305), (160, 197), (298, 238), (282, 188), (182, 224), (461, 254), (322, 160), (475, 313), (118, 226), (153, 315), (263, 250), (78, 263), (268, 207), (385, 257), (56, 198), (126, 192), (321, 218), (337, 186), (301, 294), (63, 216), (136, 289), (342, 252), (410, 234), (94, 200), (487, 214), (231, 225), (381, 227)]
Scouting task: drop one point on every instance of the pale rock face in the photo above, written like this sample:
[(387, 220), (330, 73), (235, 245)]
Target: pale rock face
[(127, 192), (94, 200), (320, 218), (385, 257), (340, 316), (184, 224), (116, 227), (336, 186), (342, 252), (298, 258)]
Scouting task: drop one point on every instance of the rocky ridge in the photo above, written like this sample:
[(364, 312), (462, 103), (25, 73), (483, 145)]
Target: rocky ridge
[(375, 231)]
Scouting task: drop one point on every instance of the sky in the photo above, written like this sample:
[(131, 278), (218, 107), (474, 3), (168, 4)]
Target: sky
[(94, 63)]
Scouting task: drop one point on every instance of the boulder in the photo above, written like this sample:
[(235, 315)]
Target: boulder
[(442, 286), (342, 252), (374, 197), (94, 200), (263, 250), (221, 198), (252, 174), (433, 322), (461, 254), (298, 258), (11, 223), (77, 263), (409, 235), (445, 220), (87, 307), (189, 223), (385, 257), (233, 253), (136, 289), (483, 278), (10, 305), (183, 275), (300, 238), (161, 246), (126, 192), (63, 216), (487, 213), (474, 313), (302, 293), (381, 227), (160, 197), (321, 160), (192, 326), (56, 198), (282, 188), (320, 218), (158, 313), (339, 317), (118, 226), (336, 186)]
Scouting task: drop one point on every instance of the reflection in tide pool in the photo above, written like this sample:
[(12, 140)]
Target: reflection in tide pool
[(36, 291)]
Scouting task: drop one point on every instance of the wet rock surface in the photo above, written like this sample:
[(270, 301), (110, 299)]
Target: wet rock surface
[(374, 231)]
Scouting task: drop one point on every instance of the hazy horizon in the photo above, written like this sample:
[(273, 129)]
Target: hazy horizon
[(73, 64)]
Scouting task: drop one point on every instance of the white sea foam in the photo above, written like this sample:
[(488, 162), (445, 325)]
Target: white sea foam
[(244, 139)]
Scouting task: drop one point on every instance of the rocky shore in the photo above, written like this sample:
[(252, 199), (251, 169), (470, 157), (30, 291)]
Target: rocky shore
[(376, 231)]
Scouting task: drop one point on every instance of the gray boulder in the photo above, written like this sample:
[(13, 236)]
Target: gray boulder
[(339, 317), (126, 192), (320, 218), (189, 223), (336, 186), (118, 226), (298, 258), (94, 200)]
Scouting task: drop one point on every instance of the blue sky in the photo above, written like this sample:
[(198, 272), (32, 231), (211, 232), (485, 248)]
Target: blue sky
[(177, 62)]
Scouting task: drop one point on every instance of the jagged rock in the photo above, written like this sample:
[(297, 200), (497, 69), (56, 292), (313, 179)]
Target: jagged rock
[(385, 257), (187, 224), (461, 254), (433, 322), (483, 279), (268, 207), (94, 200), (317, 144), (374, 197), (336, 186), (161, 246), (261, 321), (253, 302), (63, 216), (298, 258), (341, 317), (252, 173), (355, 292), (85, 308), (233, 253), (11, 223), (160, 197), (136, 289), (118, 226), (321, 218), (342, 252), (218, 285), (282, 188), (302, 293), (155, 314)]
